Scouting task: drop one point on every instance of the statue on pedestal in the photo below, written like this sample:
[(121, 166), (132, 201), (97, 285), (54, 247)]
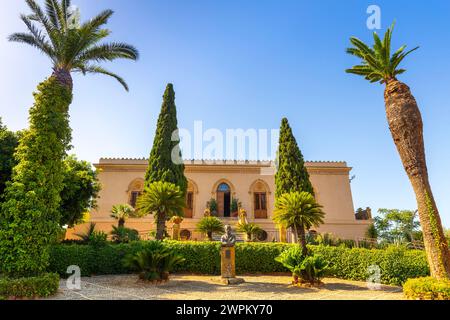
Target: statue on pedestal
[(228, 239), (228, 258)]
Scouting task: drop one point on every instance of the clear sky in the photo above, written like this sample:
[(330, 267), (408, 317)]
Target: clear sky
[(246, 64)]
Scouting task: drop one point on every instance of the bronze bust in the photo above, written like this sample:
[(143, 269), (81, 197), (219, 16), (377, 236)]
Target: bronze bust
[(228, 239)]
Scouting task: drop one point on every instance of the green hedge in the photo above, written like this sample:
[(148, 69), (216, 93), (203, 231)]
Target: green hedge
[(427, 289), (396, 264), (32, 287)]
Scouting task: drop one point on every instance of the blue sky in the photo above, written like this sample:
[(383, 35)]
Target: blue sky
[(246, 64)]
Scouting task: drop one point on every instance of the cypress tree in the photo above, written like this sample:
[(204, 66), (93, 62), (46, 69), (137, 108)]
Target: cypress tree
[(291, 175), (165, 163)]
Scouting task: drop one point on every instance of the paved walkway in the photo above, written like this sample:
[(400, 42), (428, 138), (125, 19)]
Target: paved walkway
[(190, 287)]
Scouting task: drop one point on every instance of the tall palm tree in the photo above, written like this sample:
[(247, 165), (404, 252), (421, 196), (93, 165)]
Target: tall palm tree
[(406, 126), (71, 46), (32, 199), (122, 212), (164, 200), (299, 211)]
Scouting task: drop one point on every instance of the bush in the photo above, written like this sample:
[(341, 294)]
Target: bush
[(33, 287), (124, 235), (305, 269), (427, 289), (396, 264), (153, 263)]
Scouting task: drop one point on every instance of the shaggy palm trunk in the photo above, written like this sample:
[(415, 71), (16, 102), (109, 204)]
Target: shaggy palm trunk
[(29, 216), (301, 237), (121, 223), (209, 235), (160, 226), (405, 123)]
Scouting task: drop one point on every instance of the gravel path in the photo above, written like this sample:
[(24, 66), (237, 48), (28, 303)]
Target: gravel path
[(192, 287)]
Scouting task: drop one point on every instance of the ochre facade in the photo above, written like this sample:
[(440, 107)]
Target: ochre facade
[(253, 183)]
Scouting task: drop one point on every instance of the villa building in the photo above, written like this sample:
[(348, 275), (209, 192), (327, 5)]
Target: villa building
[(252, 183)]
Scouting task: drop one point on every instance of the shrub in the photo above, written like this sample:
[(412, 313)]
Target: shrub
[(396, 264), (305, 269), (93, 237), (291, 258), (153, 263), (33, 287), (124, 235), (251, 230), (427, 289), (209, 225), (311, 270)]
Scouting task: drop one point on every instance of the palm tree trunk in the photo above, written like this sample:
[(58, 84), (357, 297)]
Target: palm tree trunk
[(121, 223), (63, 76), (209, 234), (405, 123), (301, 237), (160, 226)]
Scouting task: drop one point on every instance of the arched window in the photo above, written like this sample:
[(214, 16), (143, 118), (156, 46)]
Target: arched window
[(223, 187), (135, 189)]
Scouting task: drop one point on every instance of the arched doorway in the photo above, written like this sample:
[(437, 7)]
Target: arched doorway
[(224, 200)]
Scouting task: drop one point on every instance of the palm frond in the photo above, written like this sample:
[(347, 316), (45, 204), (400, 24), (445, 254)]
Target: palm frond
[(99, 70), (108, 52), (377, 64), (52, 12)]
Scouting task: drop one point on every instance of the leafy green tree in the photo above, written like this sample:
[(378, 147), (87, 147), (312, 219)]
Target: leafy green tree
[(165, 163), (395, 225), (121, 212), (8, 143), (372, 232), (250, 229), (81, 188), (30, 217), (210, 225), (379, 64), (163, 200), (299, 211), (291, 175), (81, 185)]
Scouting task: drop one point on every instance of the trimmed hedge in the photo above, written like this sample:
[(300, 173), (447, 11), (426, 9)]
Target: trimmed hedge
[(32, 287), (427, 289), (396, 264)]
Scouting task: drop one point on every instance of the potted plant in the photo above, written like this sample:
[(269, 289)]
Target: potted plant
[(212, 206)]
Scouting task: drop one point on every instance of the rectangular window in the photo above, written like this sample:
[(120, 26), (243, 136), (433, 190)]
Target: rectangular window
[(257, 201), (260, 205), (189, 209), (190, 201), (133, 198)]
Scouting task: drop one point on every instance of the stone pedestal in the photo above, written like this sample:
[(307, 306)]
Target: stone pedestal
[(282, 230), (176, 231), (228, 266)]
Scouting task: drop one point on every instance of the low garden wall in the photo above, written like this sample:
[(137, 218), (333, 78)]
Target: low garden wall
[(396, 264)]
